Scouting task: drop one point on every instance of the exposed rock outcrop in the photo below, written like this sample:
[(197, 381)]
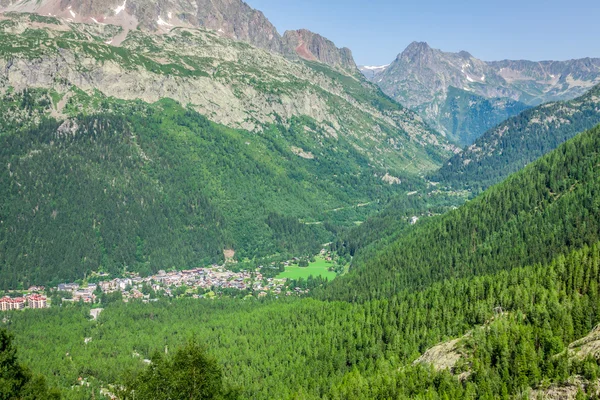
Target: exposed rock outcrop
[(314, 47), (228, 81), (421, 78)]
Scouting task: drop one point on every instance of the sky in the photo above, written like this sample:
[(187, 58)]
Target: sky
[(377, 30)]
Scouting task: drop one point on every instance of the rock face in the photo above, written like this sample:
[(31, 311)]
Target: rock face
[(228, 81), (443, 356), (421, 77), (314, 47), (233, 19), (587, 346)]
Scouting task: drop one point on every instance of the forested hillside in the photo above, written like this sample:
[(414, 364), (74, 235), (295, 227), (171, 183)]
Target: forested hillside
[(520, 140), (536, 214), (305, 348), (512, 275), (150, 187), (465, 116)]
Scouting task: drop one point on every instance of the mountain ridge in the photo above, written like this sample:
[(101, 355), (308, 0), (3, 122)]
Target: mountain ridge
[(230, 82), (420, 78), (520, 140), (233, 19)]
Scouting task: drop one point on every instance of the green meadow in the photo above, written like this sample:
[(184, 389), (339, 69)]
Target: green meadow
[(318, 268)]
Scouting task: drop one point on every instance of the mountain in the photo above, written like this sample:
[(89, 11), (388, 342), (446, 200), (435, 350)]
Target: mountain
[(230, 18), (314, 47), (545, 210), (464, 115), (520, 140), (193, 142), (421, 77), (233, 19), (230, 82)]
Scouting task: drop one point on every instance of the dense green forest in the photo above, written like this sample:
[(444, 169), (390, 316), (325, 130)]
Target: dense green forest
[(466, 116), (546, 209), (395, 218), (158, 186), (306, 348), (520, 140), (16, 380), (513, 274), (445, 298)]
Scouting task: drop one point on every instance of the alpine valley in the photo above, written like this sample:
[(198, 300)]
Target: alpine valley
[(462, 96), (195, 206)]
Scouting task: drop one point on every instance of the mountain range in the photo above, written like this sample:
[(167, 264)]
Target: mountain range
[(228, 81), (431, 81), (139, 136), (520, 140), (233, 19), (242, 126)]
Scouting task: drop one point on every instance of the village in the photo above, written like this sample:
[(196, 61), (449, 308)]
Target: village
[(196, 283), (199, 283)]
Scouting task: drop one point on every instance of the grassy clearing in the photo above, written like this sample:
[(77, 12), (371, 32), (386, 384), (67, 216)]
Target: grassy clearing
[(318, 268)]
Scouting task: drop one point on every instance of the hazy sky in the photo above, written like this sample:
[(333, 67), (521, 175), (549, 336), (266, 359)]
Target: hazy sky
[(378, 30)]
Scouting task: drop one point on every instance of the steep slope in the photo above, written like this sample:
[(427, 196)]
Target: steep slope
[(231, 18), (228, 81), (421, 78), (545, 210), (464, 115), (127, 184), (520, 140), (314, 47)]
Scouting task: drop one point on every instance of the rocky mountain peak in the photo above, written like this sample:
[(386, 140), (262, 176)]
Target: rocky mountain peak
[(437, 84), (415, 49), (231, 18), (314, 47)]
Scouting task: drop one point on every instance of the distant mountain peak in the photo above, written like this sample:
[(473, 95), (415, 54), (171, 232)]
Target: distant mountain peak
[(417, 52), (421, 77)]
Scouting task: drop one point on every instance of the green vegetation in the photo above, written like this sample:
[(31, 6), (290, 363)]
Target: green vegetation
[(466, 116), (190, 374), (312, 349), (158, 186), (16, 380), (319, 267), (519, 141), (546, 209), (528, 247)]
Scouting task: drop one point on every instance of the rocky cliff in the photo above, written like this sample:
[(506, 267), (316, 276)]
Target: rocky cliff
[(314, 47), (421, 78), (233, 19), (228, 81)]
